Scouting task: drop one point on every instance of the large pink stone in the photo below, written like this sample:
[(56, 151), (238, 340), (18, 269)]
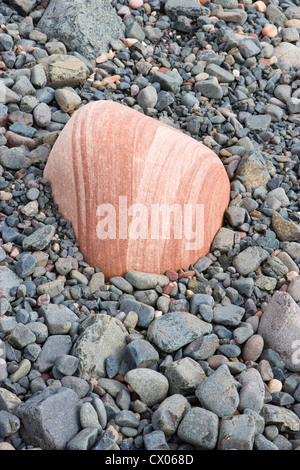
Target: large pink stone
[(111, 154)]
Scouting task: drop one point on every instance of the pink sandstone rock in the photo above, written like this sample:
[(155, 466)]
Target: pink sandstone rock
[(112, 169)]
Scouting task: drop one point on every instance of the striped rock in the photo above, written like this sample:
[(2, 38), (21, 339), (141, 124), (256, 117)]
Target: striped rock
[(116, 174)]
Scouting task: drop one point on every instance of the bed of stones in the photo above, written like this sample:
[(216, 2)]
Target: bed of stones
[(203, 358)]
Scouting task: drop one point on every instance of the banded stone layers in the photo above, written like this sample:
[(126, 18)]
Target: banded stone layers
[(114, 170)]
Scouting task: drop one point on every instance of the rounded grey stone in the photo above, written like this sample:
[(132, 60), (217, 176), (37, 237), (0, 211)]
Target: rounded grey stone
[(147, 97), (151, 386)]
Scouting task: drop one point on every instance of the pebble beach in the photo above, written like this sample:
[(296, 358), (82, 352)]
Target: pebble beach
[(204, 358)]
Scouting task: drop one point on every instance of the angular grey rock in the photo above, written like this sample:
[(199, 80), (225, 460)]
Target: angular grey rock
[(202, 348), (223, 75), (169, 81), (50, 419), (189, 8), (135, 31), (209, 88), (285, 419), (9, 401), (252, 393), (253, 168), (40, 331), (54, 314), (144, 312), (249, 48), (224, 240), (280, 328), (237, 433), (107, 440), (127, 418), (8, 280), (286, 230), (39, 239), (249, 260), (199, 299), (66, 364), (199, 427), (54, 346), (169, 414), (176, 329), (64, 70), (228, 315), (9, 423), (155, 440), (101, 337), (21, 336), (84, 30), (274, 14), (151, 386), (184, 376), (25, 265), (203, 263), (293, 105), (218, 392), (140, 353)]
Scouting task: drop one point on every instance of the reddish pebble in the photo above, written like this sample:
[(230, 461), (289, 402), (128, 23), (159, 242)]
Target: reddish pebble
[(119, 378), (45, 376), (172, 275), (242, 235), (268, 62), (186, 274), (167, 289), (260, 6), (284, 288), (129, 42), (15, 252), (163, 70), (270, 31)]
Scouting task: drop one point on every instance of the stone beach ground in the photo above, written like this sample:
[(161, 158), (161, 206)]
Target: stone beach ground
[(204, 358)]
